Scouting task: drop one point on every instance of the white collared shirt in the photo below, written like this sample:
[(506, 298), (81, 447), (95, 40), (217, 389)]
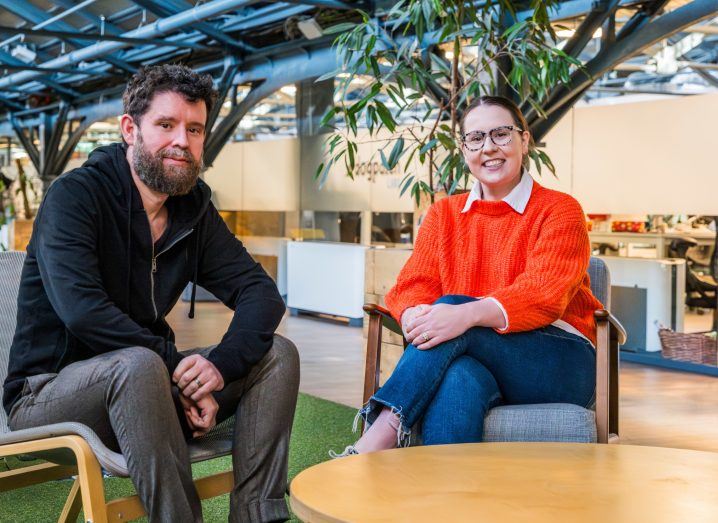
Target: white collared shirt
[(517, 199)]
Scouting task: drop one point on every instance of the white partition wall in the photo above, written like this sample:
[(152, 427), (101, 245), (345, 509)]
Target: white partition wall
[(633, 158), (558, 144), (656, 157), (256, 176), (326, 278)]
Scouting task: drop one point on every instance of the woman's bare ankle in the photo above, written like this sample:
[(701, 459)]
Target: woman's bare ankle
[(381, 435)]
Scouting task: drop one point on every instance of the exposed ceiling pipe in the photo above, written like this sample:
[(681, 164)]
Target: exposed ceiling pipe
[(159, 27), (50, 20)]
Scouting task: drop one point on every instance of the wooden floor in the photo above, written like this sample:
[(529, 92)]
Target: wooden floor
[(658, 407)]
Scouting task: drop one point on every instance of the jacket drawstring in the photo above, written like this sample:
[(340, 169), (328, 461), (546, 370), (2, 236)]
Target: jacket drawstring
[(196, 269)]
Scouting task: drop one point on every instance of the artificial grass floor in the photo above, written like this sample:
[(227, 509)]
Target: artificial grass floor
[(319, 425)]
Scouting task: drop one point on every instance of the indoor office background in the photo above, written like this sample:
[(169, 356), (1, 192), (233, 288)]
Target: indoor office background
[(637, 150)]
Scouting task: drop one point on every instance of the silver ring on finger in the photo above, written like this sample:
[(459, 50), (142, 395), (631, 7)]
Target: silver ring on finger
[(198, 383), (425, 336)]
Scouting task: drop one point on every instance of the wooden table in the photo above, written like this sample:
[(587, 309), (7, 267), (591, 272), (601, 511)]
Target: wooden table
[(513, 482)]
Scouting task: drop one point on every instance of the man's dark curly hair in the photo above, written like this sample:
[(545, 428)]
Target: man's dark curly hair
[(149, 81)]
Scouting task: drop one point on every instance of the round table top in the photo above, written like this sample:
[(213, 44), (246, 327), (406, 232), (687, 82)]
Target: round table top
[(512, 482)]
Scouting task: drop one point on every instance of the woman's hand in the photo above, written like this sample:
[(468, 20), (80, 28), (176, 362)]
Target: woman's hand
[(435, 324), (408, 315)]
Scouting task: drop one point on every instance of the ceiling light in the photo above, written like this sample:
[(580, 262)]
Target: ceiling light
[(23, 53), (310, 28), (290, 90)]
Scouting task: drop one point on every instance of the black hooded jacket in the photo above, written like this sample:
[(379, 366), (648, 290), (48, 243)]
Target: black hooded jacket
[(94, 282)]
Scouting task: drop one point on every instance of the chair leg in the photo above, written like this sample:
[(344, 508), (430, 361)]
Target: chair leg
[(614, 372), (72, 507), (373, 359), (92, 486), (603, 381)]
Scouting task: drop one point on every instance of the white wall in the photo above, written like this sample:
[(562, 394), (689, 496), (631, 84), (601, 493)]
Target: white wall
[(558, 144), (373, 188), (655, 157), (256, 176), (635, 158)]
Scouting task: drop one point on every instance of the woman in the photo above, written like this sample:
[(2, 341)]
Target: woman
[(495, 300)]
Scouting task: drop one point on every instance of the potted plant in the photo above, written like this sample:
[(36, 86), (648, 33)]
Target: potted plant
[(426, 60)]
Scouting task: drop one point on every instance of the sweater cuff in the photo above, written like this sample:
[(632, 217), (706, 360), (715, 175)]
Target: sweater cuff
[(503, 311)]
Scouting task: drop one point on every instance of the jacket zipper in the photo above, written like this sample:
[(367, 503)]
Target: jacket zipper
[(154, 266)]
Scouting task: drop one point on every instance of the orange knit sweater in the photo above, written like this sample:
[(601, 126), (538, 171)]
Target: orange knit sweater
[(533, 263)]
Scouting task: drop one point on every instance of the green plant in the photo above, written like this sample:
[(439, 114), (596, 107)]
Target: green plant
[(24, 186), (426, 60), (7, 210)]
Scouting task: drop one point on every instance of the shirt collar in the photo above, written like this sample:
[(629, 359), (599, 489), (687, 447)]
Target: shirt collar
[(517, 199)]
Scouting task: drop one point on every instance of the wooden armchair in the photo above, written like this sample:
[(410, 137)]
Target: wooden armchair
[(73, 449), (545, 422)]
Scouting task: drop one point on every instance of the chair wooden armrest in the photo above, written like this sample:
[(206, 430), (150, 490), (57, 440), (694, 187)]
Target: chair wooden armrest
[(602, 315), (609, 335), (387, 319), (379, 317)]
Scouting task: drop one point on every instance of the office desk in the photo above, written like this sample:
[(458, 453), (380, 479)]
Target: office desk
[(660, 241)]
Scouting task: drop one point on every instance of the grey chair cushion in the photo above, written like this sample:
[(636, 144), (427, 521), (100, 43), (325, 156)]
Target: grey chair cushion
[(542, 422)]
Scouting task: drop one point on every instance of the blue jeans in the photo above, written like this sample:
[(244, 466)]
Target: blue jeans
[(446, 391)]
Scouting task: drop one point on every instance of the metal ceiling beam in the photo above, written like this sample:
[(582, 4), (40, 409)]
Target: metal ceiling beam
[(159, 27), (641, 18), (237, 23), (92, 113), (573, 9), (600, 12), (709, 78), (7, 58), (662, 27), (11, 104), (266, 15), (110, 22), (100, 37), (65, 70), (334, 4), (168, 8), (35, 15)]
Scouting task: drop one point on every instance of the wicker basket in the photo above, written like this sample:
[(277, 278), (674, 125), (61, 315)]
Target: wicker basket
[(695, 347)]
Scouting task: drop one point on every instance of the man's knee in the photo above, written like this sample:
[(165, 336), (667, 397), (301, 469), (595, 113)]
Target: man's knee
[(454, 299), (140, 363), (283, 359)]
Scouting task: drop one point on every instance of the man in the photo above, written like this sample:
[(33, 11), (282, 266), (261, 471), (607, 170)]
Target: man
[(115, 242)]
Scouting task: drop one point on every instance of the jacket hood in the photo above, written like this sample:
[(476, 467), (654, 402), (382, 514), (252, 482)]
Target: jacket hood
[(111, 162)]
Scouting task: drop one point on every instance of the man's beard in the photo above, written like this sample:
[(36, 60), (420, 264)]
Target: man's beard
[(173, 180)]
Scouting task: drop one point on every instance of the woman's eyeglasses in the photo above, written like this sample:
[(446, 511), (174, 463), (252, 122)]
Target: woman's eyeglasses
[(475, 140)]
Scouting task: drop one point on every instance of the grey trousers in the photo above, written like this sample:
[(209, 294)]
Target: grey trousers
[(126, 397)]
